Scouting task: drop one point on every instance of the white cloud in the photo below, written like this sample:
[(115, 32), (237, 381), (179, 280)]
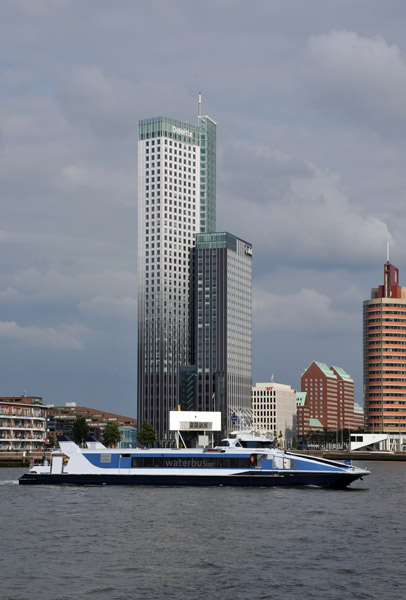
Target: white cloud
[(306, 311), (65, 337)]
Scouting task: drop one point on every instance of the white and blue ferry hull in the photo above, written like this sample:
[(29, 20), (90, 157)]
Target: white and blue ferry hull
[(240, 467), (258, 478)]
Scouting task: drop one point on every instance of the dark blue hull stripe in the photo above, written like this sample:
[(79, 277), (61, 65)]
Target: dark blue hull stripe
[(248, 479)]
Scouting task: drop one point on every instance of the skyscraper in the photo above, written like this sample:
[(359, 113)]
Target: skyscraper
[(176, 199), (221, 327), (384, 317)]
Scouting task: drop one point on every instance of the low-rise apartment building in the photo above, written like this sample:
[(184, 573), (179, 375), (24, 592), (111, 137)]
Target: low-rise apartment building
[(23, 424), (62, 418)]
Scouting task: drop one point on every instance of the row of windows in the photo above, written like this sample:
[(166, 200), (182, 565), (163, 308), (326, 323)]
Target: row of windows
[(378, 307), (375, 403), (384, 381), (194, 462), (379, 423), (386, 326), (387, 395), (386, 342), (182, 150), (368, 368), (388, 319)]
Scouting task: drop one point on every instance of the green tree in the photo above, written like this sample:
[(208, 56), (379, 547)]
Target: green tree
[(146, 435), (111, 435), (80, 430), (51, 441)]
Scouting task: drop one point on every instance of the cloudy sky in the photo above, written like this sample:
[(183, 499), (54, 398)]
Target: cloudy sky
[(310, 98)]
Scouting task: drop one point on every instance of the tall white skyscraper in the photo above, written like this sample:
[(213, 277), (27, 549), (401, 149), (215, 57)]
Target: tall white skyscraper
[(176, 200)]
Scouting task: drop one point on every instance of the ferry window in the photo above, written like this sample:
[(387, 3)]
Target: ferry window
[(105, 458), (205, 462)]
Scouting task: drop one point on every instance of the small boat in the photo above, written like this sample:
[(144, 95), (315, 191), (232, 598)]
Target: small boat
[(243, 461)]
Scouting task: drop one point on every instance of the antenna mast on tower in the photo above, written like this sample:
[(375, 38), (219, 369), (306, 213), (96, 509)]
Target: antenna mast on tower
[(387, 275), (199, 105)]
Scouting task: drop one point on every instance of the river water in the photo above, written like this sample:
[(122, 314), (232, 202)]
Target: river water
[(122, 543)]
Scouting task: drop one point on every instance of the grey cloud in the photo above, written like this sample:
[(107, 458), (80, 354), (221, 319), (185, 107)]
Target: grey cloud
[(34, 285), (298, 211), (361, 78), (65, 337), (110, 307), (301, 312), (103, 104), (259, 174), (117, 183), (109, 105), (39, 7)]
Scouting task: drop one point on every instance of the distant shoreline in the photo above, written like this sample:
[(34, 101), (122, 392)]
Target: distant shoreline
[(13, 460), (361, 455)]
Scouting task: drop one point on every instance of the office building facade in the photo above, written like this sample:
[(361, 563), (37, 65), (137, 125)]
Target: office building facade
[(221, 331), (176, 200), (384, 356), (274, 412), (329, 400)]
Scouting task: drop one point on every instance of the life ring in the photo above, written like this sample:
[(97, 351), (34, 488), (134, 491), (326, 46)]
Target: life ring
[(252, 459)]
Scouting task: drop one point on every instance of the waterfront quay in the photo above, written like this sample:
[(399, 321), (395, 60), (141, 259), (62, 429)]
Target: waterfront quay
[(357, 455), (22, 459)]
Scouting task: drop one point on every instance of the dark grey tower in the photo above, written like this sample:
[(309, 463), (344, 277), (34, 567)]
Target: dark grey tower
[(222, 325)]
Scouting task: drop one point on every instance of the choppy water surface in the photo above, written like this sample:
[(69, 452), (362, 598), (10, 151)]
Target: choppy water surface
[(121, 543)]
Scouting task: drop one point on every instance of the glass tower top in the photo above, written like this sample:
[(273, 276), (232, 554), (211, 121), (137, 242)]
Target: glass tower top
[(207, 174)]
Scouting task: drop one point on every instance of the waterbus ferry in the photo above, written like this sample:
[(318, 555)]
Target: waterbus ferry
[(245, 460)]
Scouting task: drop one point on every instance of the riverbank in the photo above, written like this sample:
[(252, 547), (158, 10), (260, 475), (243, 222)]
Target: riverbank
[(357, 455), (15, 459), (18, 459)]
